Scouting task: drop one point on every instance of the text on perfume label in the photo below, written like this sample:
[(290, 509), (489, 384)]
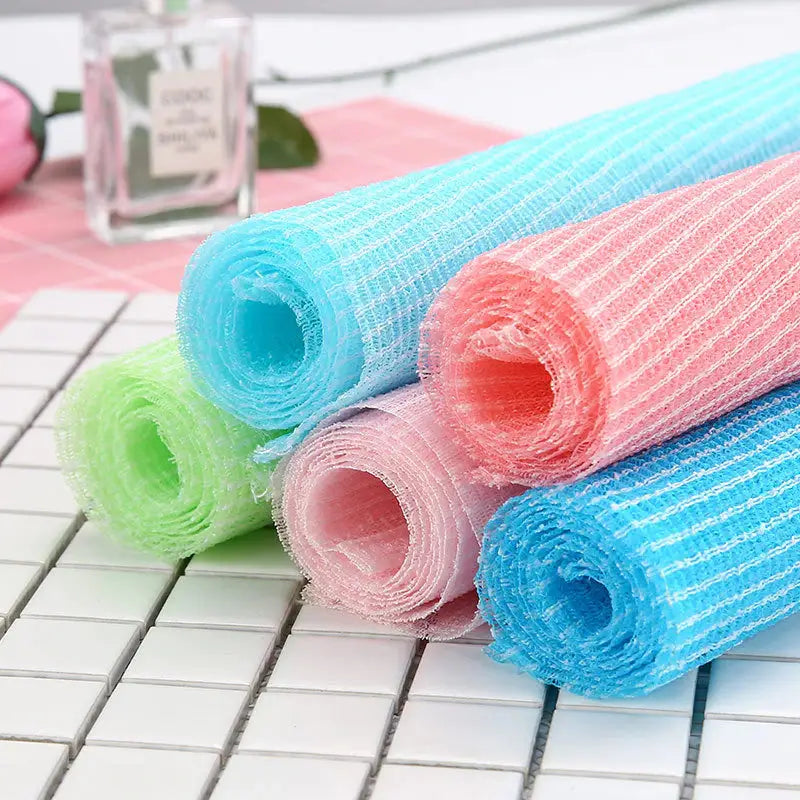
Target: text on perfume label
[(187, 133)]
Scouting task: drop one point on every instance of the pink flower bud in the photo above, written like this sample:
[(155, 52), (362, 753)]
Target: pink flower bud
[(19, 149)]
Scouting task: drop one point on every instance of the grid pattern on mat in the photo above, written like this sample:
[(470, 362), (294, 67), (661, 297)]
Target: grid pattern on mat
[(44, 241), (208, 678)]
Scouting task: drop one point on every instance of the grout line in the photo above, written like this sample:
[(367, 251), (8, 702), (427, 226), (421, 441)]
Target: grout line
[(79, 518), (112, 685), (696, 732), (75, 526), (402, 699), (540, 743), (281, 635)]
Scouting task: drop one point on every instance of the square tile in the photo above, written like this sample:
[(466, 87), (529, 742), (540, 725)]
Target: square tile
[(121, 258), (49, 336), (151, 307), (779, 641), (36, 448), (676, 697), (745, 689), (41, 491), (350, 726), (90, 362), (246, 777), (122, 337), (465, 734), (568, 787), (401, 781), (61, 648), (8, 435), (33, 537), (480, 635), (166, 275), (104, 594), (47, 709), (256, 553), (45, 370), (200, 656), (47, 419), (464, 671), (225, 602), (176, 717), (17, 582), (617, 743), (128, 773), (46, 223), (708, 792), (91, 547), (73, 304), (30, 769), (735, 751), (19, 405), (30, 269), (342, 664), (318, 619)]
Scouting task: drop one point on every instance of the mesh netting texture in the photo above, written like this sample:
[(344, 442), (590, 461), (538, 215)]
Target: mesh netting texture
[(554, 356), (287, 317), (378, 511), (627, 579), (152, 462)]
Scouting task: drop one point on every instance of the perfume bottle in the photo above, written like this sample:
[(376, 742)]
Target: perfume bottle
[(169, 119)]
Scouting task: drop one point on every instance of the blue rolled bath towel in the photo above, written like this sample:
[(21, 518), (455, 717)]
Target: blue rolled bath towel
[(629, 578), (287, 317)]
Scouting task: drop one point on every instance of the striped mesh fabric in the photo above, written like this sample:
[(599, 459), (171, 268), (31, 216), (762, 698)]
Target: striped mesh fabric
[(152, 462), (625, 580), (377, 509), (554, 356), (287, 317)]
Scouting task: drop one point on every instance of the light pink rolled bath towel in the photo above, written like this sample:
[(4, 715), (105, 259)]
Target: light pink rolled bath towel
[(379, 510), (553, 356)]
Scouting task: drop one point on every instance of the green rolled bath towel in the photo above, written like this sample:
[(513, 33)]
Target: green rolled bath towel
[(155, 464)]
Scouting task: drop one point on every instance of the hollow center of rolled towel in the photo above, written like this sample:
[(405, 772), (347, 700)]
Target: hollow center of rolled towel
[(152, 463), (270, 335), (360, 518), (502, 392), (586, 602)]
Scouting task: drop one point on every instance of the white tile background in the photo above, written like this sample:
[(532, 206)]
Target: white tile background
[(132, 677)]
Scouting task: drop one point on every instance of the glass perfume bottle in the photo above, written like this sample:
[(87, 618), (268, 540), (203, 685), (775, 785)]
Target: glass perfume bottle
[(169, 119)]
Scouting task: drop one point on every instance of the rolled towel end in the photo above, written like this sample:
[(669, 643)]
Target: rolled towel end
[(514, 368), (623, 581), (155, 464), (568, 602), (265, 328), (377, 509)]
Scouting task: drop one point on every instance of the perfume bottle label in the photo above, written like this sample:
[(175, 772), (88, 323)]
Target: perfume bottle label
[(187, 132)]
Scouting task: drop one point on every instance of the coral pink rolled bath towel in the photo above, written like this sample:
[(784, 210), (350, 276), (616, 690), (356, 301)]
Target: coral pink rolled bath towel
[(553, 356), (379, 511)]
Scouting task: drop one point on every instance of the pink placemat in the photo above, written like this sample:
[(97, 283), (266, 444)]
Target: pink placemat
[(44, 240)]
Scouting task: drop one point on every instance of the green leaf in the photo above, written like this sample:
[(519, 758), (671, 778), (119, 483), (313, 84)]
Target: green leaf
[(283, 140), (65, 102), (133, 76), (38, 132)]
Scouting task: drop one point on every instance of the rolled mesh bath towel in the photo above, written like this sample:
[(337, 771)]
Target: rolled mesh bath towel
[(287, 317), (629, 578), (377, 509), (553, 356), (154, 463)]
